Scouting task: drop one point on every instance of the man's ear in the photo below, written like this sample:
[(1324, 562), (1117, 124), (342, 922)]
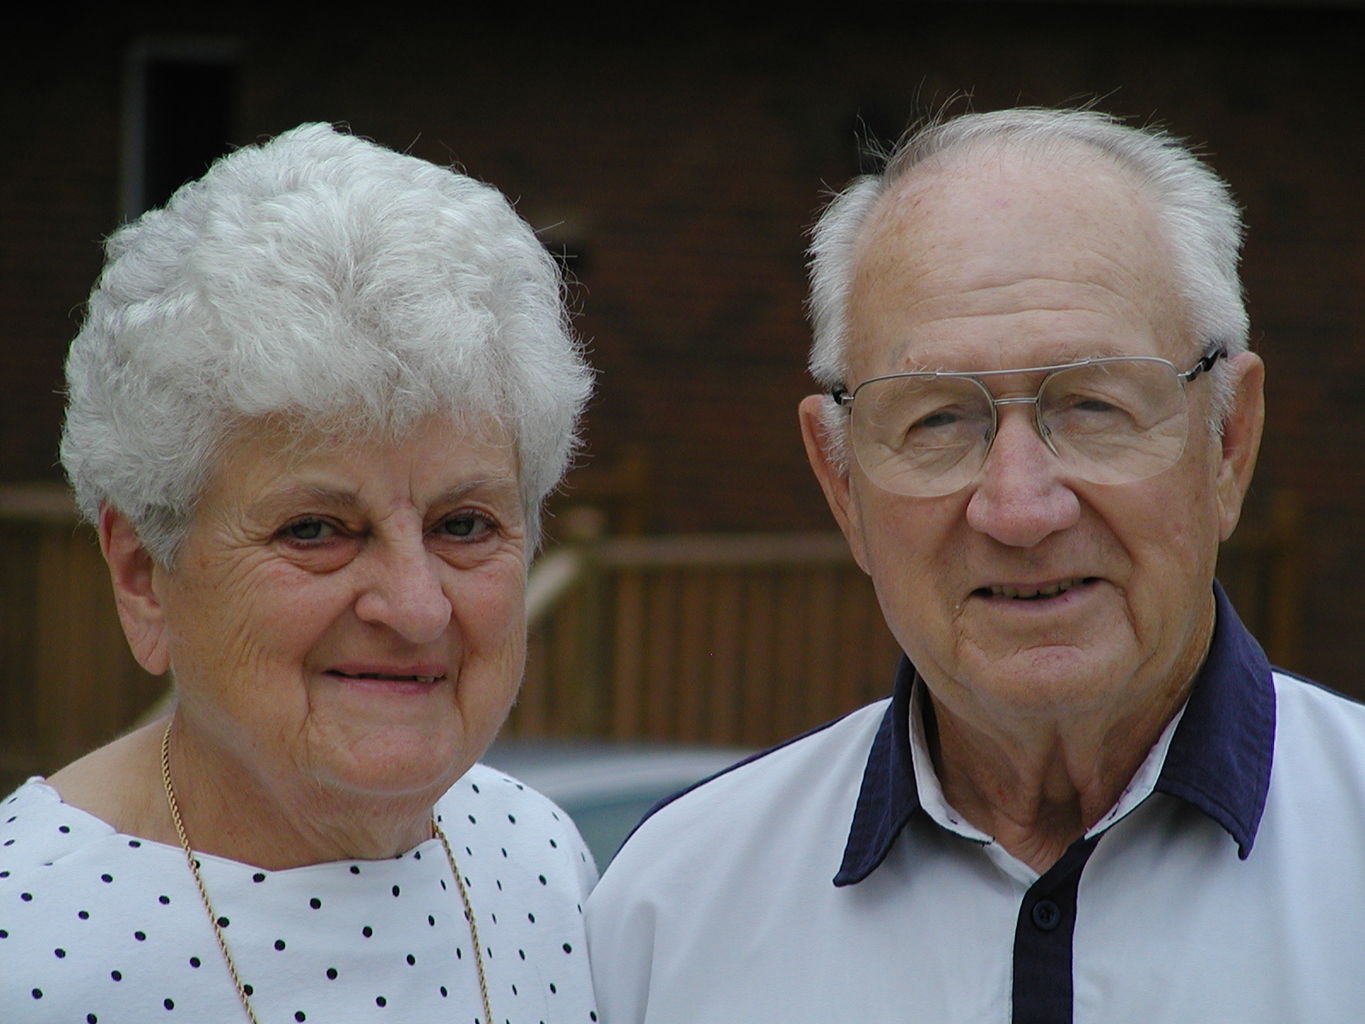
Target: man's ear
[(131, 570), (1241, 438), (833, 478)]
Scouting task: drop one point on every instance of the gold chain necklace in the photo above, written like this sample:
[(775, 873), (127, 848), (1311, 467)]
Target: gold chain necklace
[(218, 931)]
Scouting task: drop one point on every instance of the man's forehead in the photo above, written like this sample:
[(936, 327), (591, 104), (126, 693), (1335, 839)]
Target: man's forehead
[(990, 231), (981, 198)]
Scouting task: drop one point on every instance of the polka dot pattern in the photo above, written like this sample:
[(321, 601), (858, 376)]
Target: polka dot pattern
[(96, 925)]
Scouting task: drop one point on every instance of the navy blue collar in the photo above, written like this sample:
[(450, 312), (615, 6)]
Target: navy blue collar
[(1218, 760)]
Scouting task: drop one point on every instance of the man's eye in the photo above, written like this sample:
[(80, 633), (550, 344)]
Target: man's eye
[(1086, 403), (936, 420), (307, 530)]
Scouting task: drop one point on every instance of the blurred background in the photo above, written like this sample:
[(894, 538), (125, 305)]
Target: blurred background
[(691, 590)]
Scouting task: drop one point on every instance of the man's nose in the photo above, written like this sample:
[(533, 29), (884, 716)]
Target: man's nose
[(1021, 495), (402, 589)]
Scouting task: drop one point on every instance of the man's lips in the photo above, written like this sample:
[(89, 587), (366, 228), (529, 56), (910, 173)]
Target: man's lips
[(1032, 591)]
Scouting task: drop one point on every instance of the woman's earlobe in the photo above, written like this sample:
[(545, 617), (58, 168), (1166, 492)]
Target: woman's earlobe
[(132, 571)]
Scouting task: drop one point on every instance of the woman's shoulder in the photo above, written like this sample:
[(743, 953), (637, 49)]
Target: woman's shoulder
[(501, 798), (66, 880), (38, 829), (119, 784), (487, 806)]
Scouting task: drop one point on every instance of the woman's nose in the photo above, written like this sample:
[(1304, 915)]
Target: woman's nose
[(403, 591)]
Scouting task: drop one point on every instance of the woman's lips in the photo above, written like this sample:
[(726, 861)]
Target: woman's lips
[(406, 674)]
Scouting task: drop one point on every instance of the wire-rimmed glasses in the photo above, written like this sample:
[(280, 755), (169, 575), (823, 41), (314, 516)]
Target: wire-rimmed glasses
[(1110, 420)]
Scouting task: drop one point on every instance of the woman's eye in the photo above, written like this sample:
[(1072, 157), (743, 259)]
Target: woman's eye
[(466, 526), (307, 530)]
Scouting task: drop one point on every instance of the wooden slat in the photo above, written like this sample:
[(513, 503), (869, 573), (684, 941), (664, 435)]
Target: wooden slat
[(725, 655), (692, 653), (759, 672), (825, 638), (660, 687), (791, 605), (627, 666), (528, 715), (713, 551)]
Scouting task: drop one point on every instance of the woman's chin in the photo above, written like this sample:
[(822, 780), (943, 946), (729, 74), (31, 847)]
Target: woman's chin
[(393, 764)]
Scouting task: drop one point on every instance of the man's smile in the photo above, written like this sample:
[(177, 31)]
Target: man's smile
[(1034, 591)]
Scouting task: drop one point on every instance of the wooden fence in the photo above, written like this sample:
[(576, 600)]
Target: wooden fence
[(67, 679), (746, 640), (713, 639), (717, 639)]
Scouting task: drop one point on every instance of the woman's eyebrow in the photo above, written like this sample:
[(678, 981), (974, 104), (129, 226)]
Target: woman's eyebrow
[(348, 500), (307, 494), (495, 483)]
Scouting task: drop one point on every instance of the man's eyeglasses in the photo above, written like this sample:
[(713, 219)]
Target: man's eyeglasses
[(1112, 420)]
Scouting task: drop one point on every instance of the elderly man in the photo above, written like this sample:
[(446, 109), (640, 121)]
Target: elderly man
[(1089, 798)]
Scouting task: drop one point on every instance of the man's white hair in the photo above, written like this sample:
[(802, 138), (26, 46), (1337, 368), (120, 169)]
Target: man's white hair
[(328, 283), (1195, 209)]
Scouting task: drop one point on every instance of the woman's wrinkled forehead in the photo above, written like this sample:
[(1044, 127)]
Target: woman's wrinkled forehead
[(299, 437)]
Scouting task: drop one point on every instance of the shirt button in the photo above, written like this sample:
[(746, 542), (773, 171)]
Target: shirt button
[(1046, 915)]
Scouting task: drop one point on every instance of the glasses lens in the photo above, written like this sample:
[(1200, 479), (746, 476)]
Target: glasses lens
[(1115, 421), (921, 436)]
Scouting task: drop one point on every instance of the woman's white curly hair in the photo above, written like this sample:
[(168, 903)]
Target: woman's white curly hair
[(329, 283)]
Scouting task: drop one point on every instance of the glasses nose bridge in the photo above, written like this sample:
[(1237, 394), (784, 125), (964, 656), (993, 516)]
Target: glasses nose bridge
[(1038, 425), (1020, 400)]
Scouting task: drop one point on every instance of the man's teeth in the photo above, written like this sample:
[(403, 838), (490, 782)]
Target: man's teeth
[(1051, 590)]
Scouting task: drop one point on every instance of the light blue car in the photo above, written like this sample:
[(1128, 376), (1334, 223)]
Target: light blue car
[(607, 788)]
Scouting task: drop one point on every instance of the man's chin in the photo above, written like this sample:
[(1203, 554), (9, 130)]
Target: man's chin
[(1043, 681)]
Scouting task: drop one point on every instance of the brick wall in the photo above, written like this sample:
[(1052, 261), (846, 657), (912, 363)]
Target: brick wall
[(682, 167)]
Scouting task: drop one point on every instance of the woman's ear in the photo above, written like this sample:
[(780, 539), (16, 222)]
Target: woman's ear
[(131, 571)]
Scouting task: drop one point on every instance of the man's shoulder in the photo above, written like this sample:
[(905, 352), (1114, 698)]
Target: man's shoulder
[(738, 863), (815, 776), (1312, 719), (1317, 775), (1312, 690)]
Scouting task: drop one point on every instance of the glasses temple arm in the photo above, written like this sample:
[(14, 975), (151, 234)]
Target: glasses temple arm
[(1205, 363)]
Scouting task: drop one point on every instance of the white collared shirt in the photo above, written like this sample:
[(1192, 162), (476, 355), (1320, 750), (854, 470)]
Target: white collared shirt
[(826, 881)]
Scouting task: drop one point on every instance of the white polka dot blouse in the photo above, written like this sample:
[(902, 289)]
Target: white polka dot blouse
[(97, 926)]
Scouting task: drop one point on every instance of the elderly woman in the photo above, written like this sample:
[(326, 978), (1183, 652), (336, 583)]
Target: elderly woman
[(314, 409)]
